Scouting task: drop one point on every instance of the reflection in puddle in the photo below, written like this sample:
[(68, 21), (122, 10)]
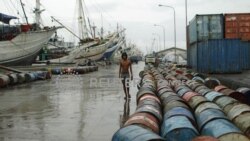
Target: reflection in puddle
[(126, 111)]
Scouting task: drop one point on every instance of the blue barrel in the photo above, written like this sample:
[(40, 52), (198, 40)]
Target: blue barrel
[(151, 110), (212, 96), (208, 115), (135, 133), (180, 87), (183, 91), (29, 77), (180, 111), (178, 128), (174, 104), (56, 71), (246, 92), (219, 127), (40, 75)]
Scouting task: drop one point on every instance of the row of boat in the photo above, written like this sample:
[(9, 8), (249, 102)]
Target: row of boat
[(22, 45)]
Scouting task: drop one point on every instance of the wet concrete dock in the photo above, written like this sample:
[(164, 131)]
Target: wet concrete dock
[(65, 108), (234, 81)]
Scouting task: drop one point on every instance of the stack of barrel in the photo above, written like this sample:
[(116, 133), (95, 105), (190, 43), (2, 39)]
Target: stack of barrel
[(19, 78), (193, 110), (206, 110), (209, 114), (74, 70), (144, 124), (179, 123)]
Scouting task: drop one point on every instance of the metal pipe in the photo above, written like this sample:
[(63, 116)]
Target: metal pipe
[(160, 5), (164, 33)]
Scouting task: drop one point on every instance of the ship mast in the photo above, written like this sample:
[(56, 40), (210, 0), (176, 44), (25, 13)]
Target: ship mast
[(82, 22), (38, 12)]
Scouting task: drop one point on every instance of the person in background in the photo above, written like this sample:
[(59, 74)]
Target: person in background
[(125, 66)]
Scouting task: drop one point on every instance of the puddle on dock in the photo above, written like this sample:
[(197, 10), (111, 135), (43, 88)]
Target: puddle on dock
[(65, 108)]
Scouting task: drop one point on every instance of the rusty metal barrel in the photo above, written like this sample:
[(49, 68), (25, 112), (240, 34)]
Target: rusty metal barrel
[(198, 79), (13, 78), (212, 82), (4, 80), (236, 110), (195, 101), (21, 78), (203, 91), (149, 101), (145, 119), (151, 110), (213, 95), (220, 88), (205, 138), (208, 115), (225, 101), (246, 92), (148, 96), (242, 121), (234, 94), (187, 96), (194, 85), (200, 87), (178, 128), (223, 130), (180, 111), (206, 105), (168, 99), (144, 91), (135, 133), (164, 90), (174, 104)]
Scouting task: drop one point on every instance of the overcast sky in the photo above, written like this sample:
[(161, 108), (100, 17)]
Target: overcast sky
[(139, 16)]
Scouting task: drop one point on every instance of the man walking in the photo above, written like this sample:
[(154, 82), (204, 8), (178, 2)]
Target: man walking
[(125, 66)]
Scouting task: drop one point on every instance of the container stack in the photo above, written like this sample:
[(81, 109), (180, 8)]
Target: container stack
[(217, 42)]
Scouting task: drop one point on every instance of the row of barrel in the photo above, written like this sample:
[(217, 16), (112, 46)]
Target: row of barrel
[(73, 70), (214, 111), (144, 124), (20, 78), (191, 111), (241, 94)]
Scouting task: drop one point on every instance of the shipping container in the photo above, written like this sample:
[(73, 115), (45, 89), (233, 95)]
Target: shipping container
[(237, 26), (245, 55), (219, 56), (205, 27), (193, 57)]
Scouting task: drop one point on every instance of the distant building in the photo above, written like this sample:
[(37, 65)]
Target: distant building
[(169, 55)]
